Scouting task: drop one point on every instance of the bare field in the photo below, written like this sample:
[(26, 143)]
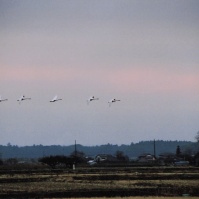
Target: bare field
[(100, 182), (138, 197)]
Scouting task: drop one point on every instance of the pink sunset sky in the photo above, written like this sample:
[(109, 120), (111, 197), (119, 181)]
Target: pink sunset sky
[(128, 80), (144, 53)]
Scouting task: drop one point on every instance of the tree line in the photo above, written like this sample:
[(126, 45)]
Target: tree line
[(131, 150)]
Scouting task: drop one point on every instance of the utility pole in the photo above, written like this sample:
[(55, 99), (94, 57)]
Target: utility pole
[(75, 149), (75, 156), (154, 149)]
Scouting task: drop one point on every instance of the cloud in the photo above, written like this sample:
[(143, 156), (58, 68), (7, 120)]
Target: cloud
[(138, 79), (154, 80)]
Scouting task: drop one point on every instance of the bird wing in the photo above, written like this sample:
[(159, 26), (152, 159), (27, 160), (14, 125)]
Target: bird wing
[(91, 98), (20, 98), (55, 98)]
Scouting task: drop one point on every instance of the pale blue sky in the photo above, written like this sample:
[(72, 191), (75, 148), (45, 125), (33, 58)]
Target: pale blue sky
[(144, 52)]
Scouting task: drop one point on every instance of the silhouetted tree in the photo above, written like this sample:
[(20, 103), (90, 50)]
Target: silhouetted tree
[(1, 162), (196, 159), (78, 156), (178, 151), (187, 150), (12, 161), (197, 136), (58, 160), (49, 160), (120, 156)]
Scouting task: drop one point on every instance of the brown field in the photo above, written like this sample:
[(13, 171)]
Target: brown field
[(140, 197), (101, 182)]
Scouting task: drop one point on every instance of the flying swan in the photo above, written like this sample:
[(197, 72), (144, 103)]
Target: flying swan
[(22, 98), (55, 99), (91, 99), (1, 100), (112, 101)]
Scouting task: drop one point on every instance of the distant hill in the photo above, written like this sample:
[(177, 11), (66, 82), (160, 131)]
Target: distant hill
[(132, 150)]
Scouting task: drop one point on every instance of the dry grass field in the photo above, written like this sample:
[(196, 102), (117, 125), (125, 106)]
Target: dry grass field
[(138, 197), (101, 182)]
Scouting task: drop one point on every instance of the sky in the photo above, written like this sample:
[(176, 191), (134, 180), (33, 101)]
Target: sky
[(143, 52)]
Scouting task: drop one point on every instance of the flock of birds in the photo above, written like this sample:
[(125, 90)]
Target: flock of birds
[(55, 99), (109, 102)]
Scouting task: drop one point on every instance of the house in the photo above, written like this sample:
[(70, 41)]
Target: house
[(102, 158), (146, 157), (181, 163), (105, 157), (167, 158)]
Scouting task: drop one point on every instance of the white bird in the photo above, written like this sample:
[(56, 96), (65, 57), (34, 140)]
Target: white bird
[(92, 98), (1, 100), (55, 99), (112, 101), (23, 98)]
